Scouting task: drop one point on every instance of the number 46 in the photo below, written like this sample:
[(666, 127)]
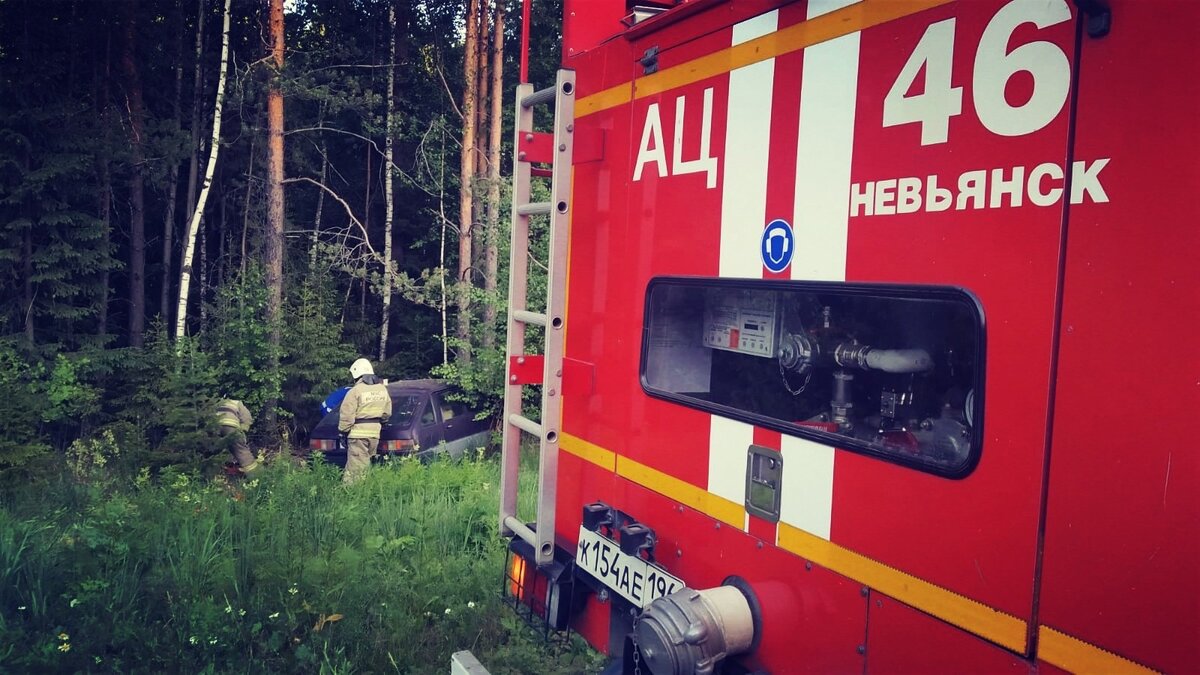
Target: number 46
[(994, 65)]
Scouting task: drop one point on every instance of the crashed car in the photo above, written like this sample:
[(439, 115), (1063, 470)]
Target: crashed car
[(425, 422)]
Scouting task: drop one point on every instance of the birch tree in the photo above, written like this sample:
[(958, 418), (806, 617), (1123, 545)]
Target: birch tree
[(185, 276)]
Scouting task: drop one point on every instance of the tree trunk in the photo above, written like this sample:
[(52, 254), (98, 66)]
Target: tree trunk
[(104, 198), (202, 266), (172, 185), (27, 273), (273, 253), (387, 184), (194, 225), (467, 175), (492, 234), (370, 148), (249, 194), (482, 138), (104, 209), (137, 222), (197, 95), (316, 233), (222, 237), (442, 244)]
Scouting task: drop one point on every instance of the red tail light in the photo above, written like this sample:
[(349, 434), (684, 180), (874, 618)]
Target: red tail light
[(404, 445), (321, 444)]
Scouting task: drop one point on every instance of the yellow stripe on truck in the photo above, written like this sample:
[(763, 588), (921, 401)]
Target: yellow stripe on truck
[(1077, 656), (669, 486), (835, 24), (1003, 629), (605, 459), (683, 492)]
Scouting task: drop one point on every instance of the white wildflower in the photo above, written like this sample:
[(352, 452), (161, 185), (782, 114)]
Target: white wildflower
[(448, 610), (273, 616), (471, 604), (293, 590), (193, 639)]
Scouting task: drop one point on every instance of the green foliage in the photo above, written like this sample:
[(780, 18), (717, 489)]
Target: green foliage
[(20, 389), (238, 342), (288, 572), (54, 250), (87, 458), (315, 358), (45, 402), (182, 400)]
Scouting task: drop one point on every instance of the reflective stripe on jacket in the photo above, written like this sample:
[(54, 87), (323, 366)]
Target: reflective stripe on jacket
[(364, 410), (234, 413)]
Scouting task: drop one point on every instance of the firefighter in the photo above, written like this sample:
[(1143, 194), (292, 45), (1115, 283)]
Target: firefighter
[(233, 421), (365, 409)]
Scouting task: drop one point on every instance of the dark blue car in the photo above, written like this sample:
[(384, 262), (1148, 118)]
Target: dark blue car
[(425, 422)]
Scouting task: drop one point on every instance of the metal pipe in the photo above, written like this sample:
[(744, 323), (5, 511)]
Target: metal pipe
[(526, 424), (529, 317), (521, 530), (866, 357), (534, 209), (540, 96), (899, 360)]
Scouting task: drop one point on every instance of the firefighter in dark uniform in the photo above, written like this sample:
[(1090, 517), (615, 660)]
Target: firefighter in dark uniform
[(233, 421), (364, 411)]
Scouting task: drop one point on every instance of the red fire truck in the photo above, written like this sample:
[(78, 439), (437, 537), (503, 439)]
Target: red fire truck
[(870, 339)]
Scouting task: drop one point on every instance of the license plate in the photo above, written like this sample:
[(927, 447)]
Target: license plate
[(631, 577)]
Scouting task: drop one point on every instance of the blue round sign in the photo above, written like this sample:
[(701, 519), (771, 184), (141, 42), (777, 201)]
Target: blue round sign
[(777, 246)]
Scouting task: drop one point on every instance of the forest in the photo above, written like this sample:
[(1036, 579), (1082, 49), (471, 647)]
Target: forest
[(202, 199)]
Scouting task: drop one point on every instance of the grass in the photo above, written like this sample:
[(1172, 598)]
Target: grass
[(287, 572)]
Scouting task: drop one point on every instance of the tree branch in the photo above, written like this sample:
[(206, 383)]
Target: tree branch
[(345, 205)]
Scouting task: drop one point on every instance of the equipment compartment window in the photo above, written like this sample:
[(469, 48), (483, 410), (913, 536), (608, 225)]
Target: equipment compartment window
[(890, 371)]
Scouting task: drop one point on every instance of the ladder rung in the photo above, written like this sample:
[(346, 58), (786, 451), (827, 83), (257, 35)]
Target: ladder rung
[(525, 424), (521, 530), (540, 96), (529, 317), (534, 209)]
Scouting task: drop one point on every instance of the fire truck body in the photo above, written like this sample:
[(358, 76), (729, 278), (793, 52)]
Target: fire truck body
[(885, 308)]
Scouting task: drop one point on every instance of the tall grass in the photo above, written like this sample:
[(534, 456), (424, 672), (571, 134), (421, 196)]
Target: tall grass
[(287, 572)]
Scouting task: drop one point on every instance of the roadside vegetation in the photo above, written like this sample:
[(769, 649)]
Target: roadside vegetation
[(289, 571)]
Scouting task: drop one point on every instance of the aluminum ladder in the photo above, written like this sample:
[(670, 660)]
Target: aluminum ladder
[(531, 147)]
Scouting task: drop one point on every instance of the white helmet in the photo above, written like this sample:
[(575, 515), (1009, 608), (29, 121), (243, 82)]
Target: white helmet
[(361, 367)]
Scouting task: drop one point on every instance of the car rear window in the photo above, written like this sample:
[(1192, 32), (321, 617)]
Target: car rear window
[(404, 406)]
